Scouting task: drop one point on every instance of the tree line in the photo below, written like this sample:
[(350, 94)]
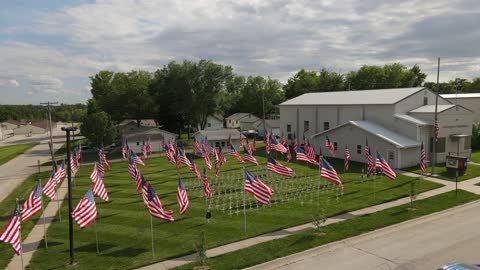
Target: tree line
[(62, 112)]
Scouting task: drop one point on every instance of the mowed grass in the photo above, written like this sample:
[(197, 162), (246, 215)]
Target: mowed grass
[(440, 170), (6, 210), (475, 157), (9, 152), (274, 249), (124, 224)]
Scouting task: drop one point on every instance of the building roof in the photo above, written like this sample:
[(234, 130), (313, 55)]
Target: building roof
[(220, 134), (381, 132), (379, 96), (462, 95), (13, 122), (217, 116), (269, 123), (431, 108), (42, 124), (412, 119), (147, 131), (241, 116), (144, 122)]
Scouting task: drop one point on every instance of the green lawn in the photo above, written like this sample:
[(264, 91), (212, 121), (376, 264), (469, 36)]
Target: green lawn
[(271, 250), (124, 224), (62, 151), (6, 209), (472, 172), (11, 151), (475, 157)]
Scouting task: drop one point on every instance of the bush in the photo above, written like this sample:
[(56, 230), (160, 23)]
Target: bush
[(476, 136)]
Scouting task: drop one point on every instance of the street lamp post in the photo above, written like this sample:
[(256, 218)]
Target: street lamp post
[(69, 179)]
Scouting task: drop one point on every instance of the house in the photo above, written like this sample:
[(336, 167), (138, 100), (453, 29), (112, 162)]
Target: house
[(10, 124), (137, 136), (214, 121), (219, 137), (470, 101), (243, 121), (28, 130), (131, 123), (394, 121), (272, 126)]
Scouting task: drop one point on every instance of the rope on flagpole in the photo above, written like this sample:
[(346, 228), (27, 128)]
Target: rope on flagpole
[(96, 235), (244, 206), (44, 220), (151, 229), (20, 238)]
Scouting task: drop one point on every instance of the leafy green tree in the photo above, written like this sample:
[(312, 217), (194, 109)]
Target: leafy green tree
[(474, 86), (258, 88), (302, 82), (98, 128)]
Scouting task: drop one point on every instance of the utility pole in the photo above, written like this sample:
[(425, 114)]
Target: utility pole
[(48, 103), (434, 140), (69, 178)]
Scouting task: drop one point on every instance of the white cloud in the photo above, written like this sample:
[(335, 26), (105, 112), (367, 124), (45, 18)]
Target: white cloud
[(7, 82)]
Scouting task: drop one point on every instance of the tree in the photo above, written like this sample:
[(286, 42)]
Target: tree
[(97, 127), (474, 86), (302, 82), (257, 88)]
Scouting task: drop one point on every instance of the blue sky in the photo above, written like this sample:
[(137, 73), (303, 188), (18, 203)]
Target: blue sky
[(48, 49)]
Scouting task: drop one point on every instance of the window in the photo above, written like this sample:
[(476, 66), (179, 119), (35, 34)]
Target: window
[(425, 100), (440, 145), (209, 125), (217, 144), (468, 143), (229, 121), (306, 125), (335, 146), (391, 155), (326, 125), (359, 149), (289, 128), (138, 143), (290, 137), (223, 144)]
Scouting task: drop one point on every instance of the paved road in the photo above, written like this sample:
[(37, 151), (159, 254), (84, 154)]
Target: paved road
[(16, 170), (425, 243)]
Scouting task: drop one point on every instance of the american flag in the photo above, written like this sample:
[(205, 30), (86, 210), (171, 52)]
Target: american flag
[(260, 191), (86, 211), (11, 232), (124, 149), (100, 168), (289, 154), (149, 147), (234, 153), (193, 167), (382, 164), (423, 157), (103, 157), (330, 147), (163, 144), (368, 155), (170, 156), (182, 197), (60, 173), (302, 156), (33, 204), (241, 139), (283, 140), (206, 157), (437, 129), (295, 143), (328, 172), (134, 173), (254, 145), (78, 150), (249, 149), (154, 205), (275, 145), (98, 185), (310, 152), (217, 161), (182, 158), (347, 158), (196, 147), (221, 156), (205, 145), (136, 158), (249, 157), (73, 164), (144, 150), (276, 167), (206, 186), (267, 143), (50, 185)]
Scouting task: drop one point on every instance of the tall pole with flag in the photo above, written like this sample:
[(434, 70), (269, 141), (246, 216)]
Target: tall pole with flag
[(434, 142)]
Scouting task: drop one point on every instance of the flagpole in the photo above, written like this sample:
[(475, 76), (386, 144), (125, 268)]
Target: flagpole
[(434, 140), (244, 206), (20, 236), (151, 229), (44, 220), (375, 175), (96, 235), (58, 206)]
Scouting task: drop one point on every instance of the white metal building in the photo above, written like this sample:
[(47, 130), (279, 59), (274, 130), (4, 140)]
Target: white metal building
[(395, 122), (220, 137), (470, 101), (214, 121)]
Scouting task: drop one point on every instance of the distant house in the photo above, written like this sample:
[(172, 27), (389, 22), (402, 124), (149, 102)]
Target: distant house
[(143, 123), (214, 121), (219, 137), (43, 124), (136, 136), (272, 126), (28, 129), (10, 124), (470, 101), (243, 121)]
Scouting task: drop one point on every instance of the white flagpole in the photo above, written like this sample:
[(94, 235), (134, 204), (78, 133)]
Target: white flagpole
[(20, 237), (375, 174), (44, 219), (58, 206), (151, 229), (244, 206), (96, 235)]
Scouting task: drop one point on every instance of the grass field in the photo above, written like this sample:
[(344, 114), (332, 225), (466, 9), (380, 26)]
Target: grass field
[(11, 151), (6, 209), (271, 250), (124, 224), (63, 149), (441, 171), (475, 157)]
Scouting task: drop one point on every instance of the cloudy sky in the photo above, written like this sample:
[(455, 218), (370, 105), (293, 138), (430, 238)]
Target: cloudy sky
[(49, 48)]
